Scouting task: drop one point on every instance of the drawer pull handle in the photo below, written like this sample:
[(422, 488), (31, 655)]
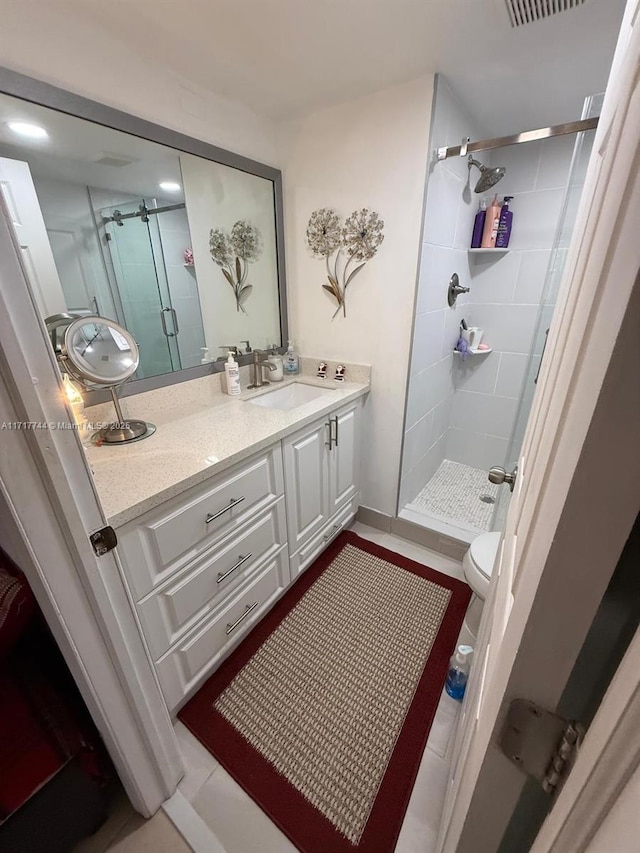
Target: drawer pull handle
[(247, 611), (233, 502), (335, 421), (333, 533), (233, 568)]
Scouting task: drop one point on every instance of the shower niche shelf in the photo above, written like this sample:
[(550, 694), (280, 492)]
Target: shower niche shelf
[(488, 251), (474, 351)]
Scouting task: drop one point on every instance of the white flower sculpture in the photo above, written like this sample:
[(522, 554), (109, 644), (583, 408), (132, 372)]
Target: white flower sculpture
[(359, 237), (233, 253)]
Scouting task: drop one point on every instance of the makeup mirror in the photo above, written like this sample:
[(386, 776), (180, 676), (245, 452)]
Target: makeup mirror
[(101, 354)]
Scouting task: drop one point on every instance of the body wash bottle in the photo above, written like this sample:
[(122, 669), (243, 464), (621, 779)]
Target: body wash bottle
[(478, 224), (491, 222), (232, 375), (504, 225)]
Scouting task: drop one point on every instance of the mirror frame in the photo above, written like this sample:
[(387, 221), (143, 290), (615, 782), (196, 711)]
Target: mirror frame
[(44, 94)]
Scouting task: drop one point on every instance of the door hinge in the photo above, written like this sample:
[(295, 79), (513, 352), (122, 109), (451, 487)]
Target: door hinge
[(103, 540), (541, 743)]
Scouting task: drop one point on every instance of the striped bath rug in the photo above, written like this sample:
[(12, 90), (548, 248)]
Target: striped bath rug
[(323, 712)]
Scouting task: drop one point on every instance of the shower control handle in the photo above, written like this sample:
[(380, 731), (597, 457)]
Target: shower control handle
[(455, 289), (499, 476)]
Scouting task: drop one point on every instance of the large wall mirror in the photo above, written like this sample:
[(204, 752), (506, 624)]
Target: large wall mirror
[(178, 241)]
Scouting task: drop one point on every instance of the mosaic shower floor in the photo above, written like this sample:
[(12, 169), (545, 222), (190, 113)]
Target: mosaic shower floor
[(454, 492)]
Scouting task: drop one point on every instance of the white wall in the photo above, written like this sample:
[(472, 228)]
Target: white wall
[(449, 212), (66, 208), (45, 43), (371, 152)]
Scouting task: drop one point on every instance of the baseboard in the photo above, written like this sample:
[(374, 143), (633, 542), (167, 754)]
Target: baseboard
[(374, 518), (190, 825), (428, 538)]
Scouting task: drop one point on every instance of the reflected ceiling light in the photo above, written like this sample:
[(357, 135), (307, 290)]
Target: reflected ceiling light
[(170, 186), (33, 131)]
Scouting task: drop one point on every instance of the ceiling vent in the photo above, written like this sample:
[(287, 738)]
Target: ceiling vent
[(523, 12), (117, 160)]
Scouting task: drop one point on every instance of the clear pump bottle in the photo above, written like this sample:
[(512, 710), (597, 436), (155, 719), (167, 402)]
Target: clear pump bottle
[(291, 364)]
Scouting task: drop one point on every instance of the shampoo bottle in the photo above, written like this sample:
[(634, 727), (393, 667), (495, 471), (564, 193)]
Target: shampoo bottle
[(478, 224), (291, 361), (232, 374), (504, 225), (458, 673), (491, 222)]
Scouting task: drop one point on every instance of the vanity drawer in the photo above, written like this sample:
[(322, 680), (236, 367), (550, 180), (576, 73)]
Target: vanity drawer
[(169, 611), (303, 558), (165, 540), (182, 669)]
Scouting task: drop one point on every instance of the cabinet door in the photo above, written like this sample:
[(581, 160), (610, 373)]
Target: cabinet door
[(306, 483), (344, 456)]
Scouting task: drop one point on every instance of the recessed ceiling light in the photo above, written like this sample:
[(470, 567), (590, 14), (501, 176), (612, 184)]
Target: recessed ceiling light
[(33, 131), (170, 186)]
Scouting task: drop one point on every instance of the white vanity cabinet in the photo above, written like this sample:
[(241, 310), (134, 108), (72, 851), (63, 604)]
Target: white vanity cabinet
[(203, 567), (321, 465)]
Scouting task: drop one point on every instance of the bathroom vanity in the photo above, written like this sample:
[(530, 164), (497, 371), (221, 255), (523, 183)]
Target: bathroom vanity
[(221, 510)]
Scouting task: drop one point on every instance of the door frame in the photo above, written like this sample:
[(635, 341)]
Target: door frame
[(54, 507), (582, 433)]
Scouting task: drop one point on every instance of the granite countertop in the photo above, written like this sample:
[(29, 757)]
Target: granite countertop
[(200, 432)]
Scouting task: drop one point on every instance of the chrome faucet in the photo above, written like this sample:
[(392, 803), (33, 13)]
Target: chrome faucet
[(258, 363)]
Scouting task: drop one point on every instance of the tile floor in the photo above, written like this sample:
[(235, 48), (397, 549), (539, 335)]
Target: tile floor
[(237, 822), (126, 832), (454, 492)]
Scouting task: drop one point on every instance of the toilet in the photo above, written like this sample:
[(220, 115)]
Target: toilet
[(477, 565)]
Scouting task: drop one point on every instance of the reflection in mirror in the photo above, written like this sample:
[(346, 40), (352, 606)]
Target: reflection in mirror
[(179, 250)]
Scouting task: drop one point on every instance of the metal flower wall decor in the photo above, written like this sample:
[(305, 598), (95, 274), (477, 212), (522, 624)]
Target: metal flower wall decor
[(233, 253), (359, 239)]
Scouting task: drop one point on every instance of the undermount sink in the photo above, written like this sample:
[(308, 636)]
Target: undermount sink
[(290, 397)]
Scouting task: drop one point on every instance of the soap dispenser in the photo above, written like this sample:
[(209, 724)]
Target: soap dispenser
[(291, 364), (232, 375), (206, 358)]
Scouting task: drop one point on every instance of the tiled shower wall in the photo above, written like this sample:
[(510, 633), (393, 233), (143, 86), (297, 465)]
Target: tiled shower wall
[(448, 217), (466, 411), (505, 299)]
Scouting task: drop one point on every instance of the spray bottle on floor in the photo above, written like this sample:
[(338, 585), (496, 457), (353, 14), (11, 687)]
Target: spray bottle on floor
[(458, 673)]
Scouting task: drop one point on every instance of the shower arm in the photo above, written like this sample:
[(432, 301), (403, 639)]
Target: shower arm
[(528, 136)]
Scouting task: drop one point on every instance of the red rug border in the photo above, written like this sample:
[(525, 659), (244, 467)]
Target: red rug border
[(306, 827)]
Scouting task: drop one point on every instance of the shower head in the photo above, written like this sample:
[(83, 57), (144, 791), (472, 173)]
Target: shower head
[(489, 175)]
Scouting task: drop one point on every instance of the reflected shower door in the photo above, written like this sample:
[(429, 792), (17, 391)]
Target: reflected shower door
[(136, 264)]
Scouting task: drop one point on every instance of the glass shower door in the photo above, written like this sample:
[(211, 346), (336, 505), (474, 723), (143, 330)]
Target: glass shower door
[(553, 279), (136, 261)]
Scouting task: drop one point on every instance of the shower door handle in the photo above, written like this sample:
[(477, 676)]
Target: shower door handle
[(163, 320), (498, 476), (174, 317)]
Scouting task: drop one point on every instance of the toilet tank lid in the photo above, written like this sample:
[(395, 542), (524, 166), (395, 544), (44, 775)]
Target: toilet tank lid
[(483, 551)]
